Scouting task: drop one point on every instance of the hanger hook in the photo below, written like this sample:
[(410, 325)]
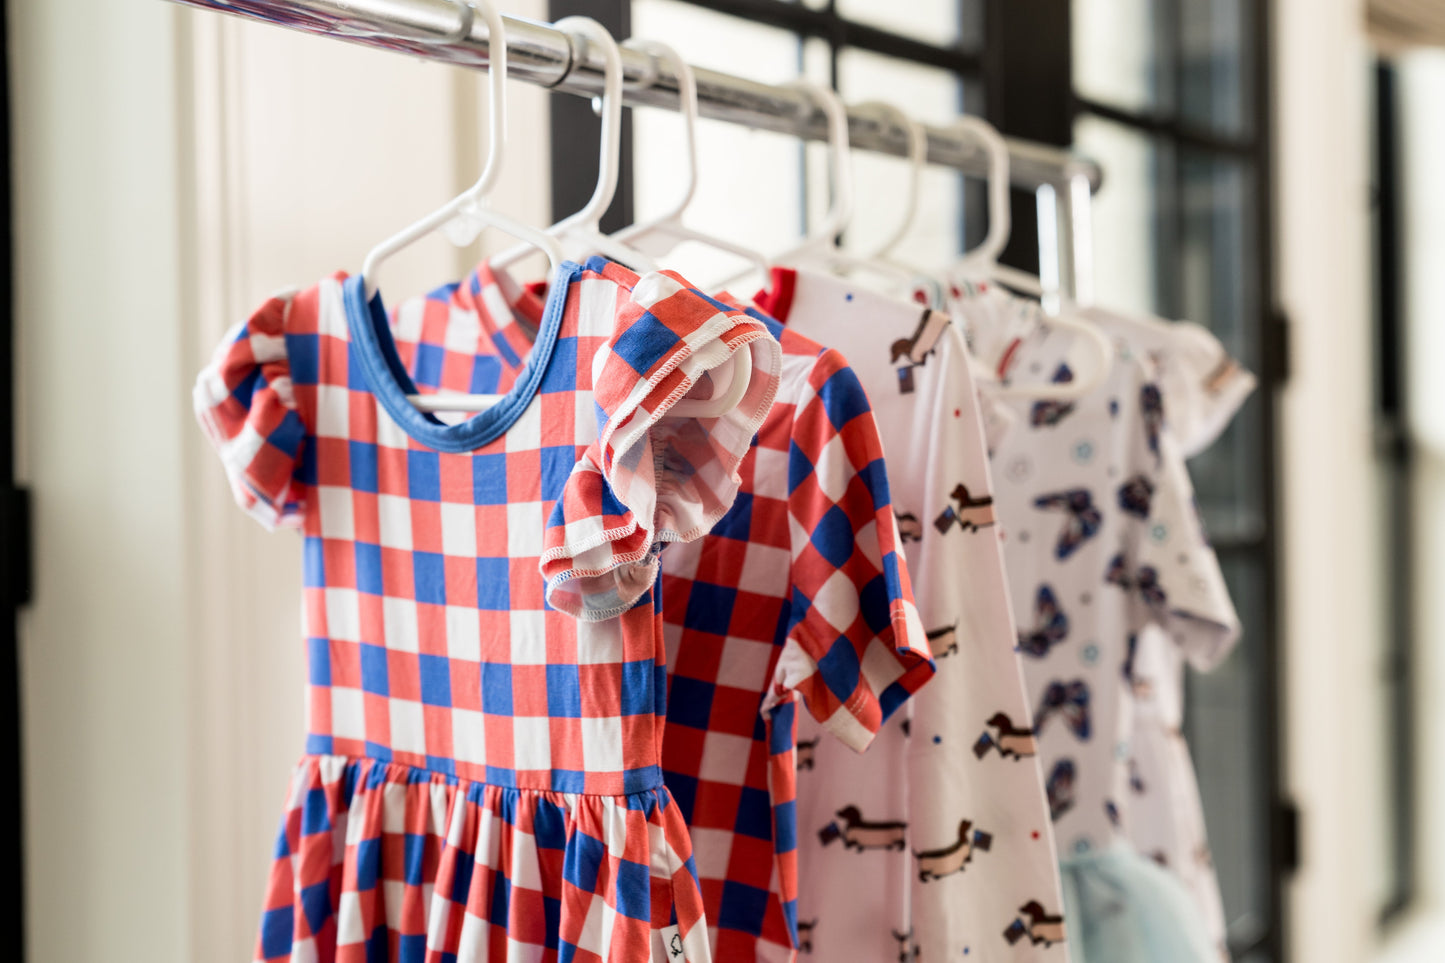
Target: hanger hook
[(588, 31), (657, 51), (841, 210), (917, 157), (997, 181), (497, 68)]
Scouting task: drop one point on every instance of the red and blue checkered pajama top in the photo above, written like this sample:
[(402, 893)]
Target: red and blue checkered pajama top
[(483, 777)]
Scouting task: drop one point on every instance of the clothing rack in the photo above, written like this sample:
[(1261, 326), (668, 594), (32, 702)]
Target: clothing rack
[(541, 54)]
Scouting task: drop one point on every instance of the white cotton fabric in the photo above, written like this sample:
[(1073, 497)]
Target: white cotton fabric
[(1103, 544), (1203, 389)]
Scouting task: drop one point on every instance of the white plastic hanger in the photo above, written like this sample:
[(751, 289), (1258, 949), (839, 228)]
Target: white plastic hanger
[(821, 246), (584, 227), (471, 204), (663, 234), (739, 368), (917, 158), (982, 262), (581, 233)]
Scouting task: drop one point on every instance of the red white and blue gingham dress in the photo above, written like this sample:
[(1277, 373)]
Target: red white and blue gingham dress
[(799, 591), (487, 676)]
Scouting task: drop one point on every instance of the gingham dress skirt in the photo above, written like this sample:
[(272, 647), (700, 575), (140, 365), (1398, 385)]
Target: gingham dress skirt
[(381, 862)]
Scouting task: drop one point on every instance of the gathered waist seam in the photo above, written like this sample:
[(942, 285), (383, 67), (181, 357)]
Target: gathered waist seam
[(650, 786)]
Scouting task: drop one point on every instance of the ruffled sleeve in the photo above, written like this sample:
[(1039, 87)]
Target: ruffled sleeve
[(652, 477), (245, 401)]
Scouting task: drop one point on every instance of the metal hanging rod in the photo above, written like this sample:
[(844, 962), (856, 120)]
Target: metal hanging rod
[(539, 53)]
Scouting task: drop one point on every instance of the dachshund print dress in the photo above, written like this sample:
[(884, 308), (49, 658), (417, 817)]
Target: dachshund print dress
[(486, 697), (1202, 387), (1102, 541), (946, 814)]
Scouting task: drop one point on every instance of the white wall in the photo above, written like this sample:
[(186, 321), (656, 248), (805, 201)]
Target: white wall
[(103, 429), (172, 168), (1329, 590)]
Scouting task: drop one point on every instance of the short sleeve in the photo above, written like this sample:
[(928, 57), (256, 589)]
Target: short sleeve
[(1202, 384), (653, 477), (1176, 576), (245, 401), (856, 649)]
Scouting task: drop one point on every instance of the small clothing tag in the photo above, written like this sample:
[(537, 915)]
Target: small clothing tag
[(672, 939)]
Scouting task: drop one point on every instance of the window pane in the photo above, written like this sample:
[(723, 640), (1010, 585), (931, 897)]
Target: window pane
[(1126, 215), (1120, 53), (1215, 81), (1217, 287), (712, 40), (932, 21), (749, 183), (1227, 736), (927, 94)]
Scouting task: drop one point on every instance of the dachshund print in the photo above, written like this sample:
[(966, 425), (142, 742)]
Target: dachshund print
[(1069, 701), (1052, 626), (1007, 738), (925, 339), (909, 528), (1135, 496), (806, 749), (972, 514), (805, 935), (938, 863), (1060, 788), (1042, 927), (943, 642), (908, 951), (859, 834), (915, 350), (1151, 406), (1046, 414), (1084, 519)]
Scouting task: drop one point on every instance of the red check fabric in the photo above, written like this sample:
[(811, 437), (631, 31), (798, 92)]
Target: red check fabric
[(798, 590), (803, 577), (483, 772)]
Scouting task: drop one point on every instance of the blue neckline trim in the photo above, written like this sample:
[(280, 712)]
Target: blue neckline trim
[(390, 383)]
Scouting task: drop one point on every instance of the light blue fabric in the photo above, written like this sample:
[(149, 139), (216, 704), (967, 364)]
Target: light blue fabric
[(1122, 908)]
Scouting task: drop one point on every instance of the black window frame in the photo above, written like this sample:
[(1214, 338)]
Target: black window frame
[(1023, 63), (1251, 149), (14, 548), (1396, 456)]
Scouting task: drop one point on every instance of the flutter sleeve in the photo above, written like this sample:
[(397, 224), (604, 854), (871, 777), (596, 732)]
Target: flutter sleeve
[(653, 477), (245, 401)]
